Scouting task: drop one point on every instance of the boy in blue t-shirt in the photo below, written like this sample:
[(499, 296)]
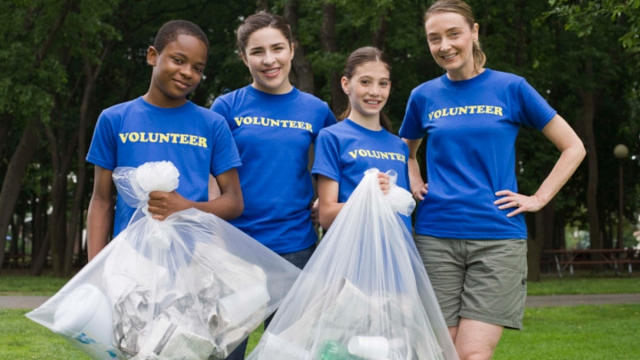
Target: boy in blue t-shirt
[(164, 125)]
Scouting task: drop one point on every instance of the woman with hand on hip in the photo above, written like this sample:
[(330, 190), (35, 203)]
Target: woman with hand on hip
[(274, 126), (470, 228)]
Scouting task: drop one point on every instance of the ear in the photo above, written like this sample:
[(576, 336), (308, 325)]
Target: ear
[(345, 85), (244, 59), (293, 50), (475, 31), (152, 56)]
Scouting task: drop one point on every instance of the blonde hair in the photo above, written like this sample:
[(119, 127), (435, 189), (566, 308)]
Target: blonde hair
[(462, 8)]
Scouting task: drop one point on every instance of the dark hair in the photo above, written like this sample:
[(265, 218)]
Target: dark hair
[(259, 21), (169, 32), (462, 8), (358, 57)]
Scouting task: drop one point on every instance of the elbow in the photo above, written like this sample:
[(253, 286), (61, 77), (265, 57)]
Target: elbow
[(238, 209), (325, 220)]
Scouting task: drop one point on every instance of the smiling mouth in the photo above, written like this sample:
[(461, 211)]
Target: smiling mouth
[(181, 84), (271, 72), (447, 57), (373, 102)]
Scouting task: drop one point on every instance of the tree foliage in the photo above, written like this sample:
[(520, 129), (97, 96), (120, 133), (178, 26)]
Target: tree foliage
[(63, 61)]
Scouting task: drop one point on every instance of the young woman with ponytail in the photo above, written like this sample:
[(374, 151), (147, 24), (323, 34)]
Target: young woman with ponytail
[(470, 229), (362, 140)]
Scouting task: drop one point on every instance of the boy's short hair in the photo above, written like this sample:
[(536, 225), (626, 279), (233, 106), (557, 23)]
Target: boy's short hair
[(169, 32)]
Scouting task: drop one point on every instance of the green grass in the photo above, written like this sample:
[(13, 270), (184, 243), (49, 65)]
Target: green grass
[(574, 333), (45, 285), (554, 285), (48, 285), (21, 338), (556, 333)]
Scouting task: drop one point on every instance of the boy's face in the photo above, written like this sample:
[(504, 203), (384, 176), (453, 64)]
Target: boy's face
[(177, 70)]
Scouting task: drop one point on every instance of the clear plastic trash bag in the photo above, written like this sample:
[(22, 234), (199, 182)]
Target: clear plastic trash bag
[(189, 287), (364, 293)]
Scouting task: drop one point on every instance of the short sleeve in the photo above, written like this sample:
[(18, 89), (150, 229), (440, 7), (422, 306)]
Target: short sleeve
[(329, 120), (327, 156), (536, 112), (412, 127), (224, 151), (103, 148), (222, 108)]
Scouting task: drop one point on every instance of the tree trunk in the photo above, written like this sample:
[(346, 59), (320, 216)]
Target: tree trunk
[(91, 76), (301, 74), (338, 101), (12, 182), (588, 99), (5, 125), (380, 34), (542, 237)]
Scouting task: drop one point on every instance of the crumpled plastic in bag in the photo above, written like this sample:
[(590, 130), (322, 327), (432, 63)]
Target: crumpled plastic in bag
[(364, 294), (189, 287)]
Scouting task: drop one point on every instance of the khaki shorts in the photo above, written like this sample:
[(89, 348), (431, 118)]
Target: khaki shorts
[(484, 280)]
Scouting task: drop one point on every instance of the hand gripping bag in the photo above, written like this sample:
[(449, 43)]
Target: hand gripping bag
[(189, 287), (364, 293)]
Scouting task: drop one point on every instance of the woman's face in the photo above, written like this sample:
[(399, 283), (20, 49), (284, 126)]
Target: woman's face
[(268, 56), (368, 89), (451, 43)]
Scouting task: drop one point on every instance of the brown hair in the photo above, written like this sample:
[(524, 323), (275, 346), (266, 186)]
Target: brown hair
[(358, 57), (259, 21), (462, 8)]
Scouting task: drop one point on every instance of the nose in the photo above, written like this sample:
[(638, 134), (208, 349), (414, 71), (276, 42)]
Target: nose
[(268, 58), (444, 45), (374, 90), (186, 71)]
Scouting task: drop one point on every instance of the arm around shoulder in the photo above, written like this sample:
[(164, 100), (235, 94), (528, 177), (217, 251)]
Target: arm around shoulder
[(100, 213)]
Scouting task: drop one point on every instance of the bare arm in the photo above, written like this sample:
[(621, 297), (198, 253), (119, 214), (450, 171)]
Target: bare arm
[(418, 187), (229, 205), (572, 153), (100, 214), (328, 205), (328, 190)]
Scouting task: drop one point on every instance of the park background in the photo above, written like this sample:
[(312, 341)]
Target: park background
[(63, 61)]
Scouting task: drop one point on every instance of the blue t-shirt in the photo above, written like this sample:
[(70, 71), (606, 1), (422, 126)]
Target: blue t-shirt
[(346, 150), (274, 134), (195, 140), (471, 128)]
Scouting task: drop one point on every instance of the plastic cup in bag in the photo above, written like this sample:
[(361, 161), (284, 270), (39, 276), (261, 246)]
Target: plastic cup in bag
[(85, 317), (240, 305)]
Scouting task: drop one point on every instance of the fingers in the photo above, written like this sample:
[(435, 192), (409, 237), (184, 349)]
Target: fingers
[(420, 191), (315, 218), (385, 182)]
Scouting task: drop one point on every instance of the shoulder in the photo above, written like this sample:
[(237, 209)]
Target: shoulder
[(427, 88), (311, 100), (204, 114), (505, 78), (122, 108)]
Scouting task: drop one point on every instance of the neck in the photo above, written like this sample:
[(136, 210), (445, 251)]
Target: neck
[(464, 75), (370, 122), (284, 88), (163, 101)]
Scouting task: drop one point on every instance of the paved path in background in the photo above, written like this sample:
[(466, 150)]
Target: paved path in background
[(32, 302), (572, 300)]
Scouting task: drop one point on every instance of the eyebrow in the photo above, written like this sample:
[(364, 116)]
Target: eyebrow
[(270, 45)]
